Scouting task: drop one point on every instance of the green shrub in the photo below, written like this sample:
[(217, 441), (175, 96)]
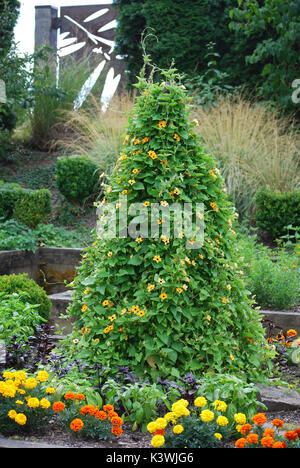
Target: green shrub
[(18, 318), (9, 194), (275, 211), (10, 284), (33, 207), (77, 178)]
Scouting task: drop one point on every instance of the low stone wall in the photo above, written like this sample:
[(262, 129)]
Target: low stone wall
[(48, 266)]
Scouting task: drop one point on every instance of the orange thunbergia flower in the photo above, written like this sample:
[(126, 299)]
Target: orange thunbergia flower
[(267, 441), (145, 140), (157, 258), (58, 406), (259, 419), (214, 206), (84, 308), (152, 154), (136, 142), (240, 443), (162, 123), (163, 296), (76, 425), (213, 174), (252, 438), (164, 162), (176, 137)]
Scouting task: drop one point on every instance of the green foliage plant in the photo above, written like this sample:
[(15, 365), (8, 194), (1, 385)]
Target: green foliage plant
[(152, 304), (35, 295), (77, 178), (33, 207)]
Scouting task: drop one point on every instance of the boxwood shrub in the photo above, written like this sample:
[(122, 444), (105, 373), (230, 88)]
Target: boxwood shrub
[(77, 178), (275, 211)]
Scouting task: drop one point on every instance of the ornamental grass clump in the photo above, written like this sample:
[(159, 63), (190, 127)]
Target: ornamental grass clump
[(199, 426), (152, 302)]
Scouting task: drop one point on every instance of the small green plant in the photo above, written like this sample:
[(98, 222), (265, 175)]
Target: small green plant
[(277, 211), (18, 318), (140, 401), (35, 295), (77, 179)]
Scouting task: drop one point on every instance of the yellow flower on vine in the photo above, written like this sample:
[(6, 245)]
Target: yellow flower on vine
[(162, 124)]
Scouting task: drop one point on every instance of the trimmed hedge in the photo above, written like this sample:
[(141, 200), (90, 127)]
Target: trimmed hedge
[(35, 294), (30, 207), (77, 178), (277, 210)]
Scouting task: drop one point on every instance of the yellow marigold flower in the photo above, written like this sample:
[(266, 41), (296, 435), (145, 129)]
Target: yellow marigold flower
[(157, 441), (30, 383), (178, 429), (240, 418), (151, 427), (218, 435), (222, 421), (162, 124), (207, 415), (21, 375), (21, 419), (12, 414), (200, 402), (33, 402), (163, 296), (50, 390), (44, 403), (42, 376), (170, 417), (160, 423), (220, 405), (19, 402)]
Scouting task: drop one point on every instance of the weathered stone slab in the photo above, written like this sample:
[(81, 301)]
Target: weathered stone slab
[(60, 302), (284, 319), (19, 261), (279, 399)]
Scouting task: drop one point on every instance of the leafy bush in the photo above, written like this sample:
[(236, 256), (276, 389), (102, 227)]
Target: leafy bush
[(14, 235), (154, 304), (9, 12), (9, 194), (276, 212), (33, 207), (77, 178), (18, 318), (35, 295)]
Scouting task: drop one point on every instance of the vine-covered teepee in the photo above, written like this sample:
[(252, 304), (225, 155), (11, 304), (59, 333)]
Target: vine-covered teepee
[(150, 303)]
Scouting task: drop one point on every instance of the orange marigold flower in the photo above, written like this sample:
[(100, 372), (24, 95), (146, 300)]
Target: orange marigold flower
[(88, 409), (259, 419), (76, 425), (245, 428), (117, 430), (101, 415), (159, 432), (58, 406), (279, 444), (240, 443), (291, 435), (69, 396), (112, 414), (291, 332), (116, 421), (252, 438), (79, 396), (267, 441), (108, 408), (278, 423), (268, 432)]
